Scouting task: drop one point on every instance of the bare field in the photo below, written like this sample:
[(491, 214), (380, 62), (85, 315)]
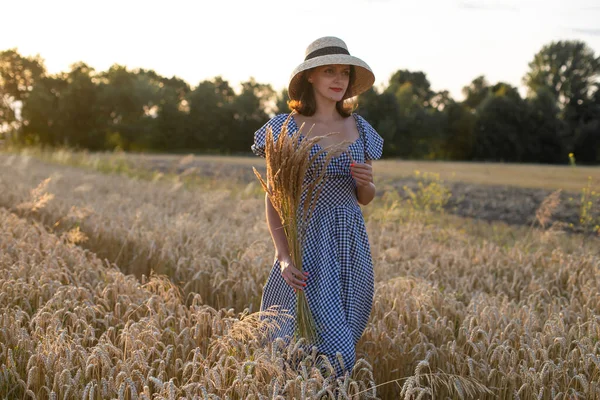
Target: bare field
[(134, 285)]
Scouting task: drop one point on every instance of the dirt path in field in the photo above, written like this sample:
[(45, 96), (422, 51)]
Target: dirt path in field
[(511, 204)]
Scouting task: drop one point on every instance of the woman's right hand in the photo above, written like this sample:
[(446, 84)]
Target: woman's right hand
[(291, 275)]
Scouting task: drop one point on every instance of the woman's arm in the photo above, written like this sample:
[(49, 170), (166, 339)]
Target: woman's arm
[(291, 275), (282, 251), (363, 176), (365, 194)]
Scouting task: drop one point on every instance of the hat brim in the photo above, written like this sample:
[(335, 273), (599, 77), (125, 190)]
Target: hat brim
[(363, 79)]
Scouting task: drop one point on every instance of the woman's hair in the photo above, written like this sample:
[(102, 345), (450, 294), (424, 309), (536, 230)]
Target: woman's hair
[(307, 105)]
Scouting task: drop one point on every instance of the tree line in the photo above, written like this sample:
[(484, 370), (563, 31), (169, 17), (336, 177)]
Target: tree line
[(140, 110)]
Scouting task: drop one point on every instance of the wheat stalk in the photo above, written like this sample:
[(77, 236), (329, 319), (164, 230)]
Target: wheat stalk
[(288, 159), (544, 212)]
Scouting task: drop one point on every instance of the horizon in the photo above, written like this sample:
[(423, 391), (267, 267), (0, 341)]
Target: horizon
[(451, 42)]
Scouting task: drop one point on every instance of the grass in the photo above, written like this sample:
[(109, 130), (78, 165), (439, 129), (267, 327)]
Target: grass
[(522, 175), (462, 309)]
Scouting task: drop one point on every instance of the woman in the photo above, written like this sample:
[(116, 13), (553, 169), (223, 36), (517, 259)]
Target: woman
[(338, 277)]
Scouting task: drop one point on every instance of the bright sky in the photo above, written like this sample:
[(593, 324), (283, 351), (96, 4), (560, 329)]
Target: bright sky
[(452, 41)]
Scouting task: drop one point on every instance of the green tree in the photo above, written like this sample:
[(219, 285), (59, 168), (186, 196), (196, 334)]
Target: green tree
[(441, 100), (476, 92), (420, 91), (210, 118), (545, 129), (250, 113), (586, 144), (82, 123), (281, 103), (420, 130), (569, 69), (460, 137), (500, 127), (131, 101), (43, 122), (382, 112), (18, 76), (171, 118)]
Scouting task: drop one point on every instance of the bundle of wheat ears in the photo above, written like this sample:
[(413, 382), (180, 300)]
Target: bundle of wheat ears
[(288, 159)]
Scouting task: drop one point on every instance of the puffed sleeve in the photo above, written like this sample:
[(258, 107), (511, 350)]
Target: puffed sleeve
[(260, 135), (373, 141)]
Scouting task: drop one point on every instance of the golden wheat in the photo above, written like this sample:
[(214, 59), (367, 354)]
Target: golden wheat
[(75, 327), (461, 308)]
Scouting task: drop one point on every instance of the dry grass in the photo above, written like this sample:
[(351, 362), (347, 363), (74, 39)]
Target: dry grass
[(544, 212), (551, 177), (462, 309)]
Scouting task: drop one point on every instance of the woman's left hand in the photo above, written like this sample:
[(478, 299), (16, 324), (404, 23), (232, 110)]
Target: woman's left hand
[(362, 174)]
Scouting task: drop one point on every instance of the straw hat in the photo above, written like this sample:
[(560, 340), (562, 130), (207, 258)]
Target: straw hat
[(331, 50)]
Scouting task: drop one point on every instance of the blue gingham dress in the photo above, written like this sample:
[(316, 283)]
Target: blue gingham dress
[(336, 252)]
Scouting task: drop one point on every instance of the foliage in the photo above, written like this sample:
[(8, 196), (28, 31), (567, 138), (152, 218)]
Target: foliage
[(589, 201), (430, 194), (140, 110)]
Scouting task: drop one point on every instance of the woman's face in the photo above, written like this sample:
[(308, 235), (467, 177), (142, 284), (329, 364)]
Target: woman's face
[(330, 81)]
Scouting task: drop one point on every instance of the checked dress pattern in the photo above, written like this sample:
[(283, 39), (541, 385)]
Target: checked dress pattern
[(336, 252)]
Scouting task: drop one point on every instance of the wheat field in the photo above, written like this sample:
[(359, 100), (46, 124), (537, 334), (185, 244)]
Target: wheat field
[(121, 285)]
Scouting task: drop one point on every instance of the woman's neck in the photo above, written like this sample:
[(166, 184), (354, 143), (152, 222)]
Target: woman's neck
[(326, 110)]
